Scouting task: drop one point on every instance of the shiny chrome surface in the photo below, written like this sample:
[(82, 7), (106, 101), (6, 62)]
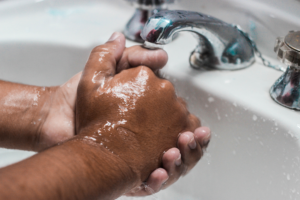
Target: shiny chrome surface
[(144, 10), (150, 4), (286, 90), (220, 45)]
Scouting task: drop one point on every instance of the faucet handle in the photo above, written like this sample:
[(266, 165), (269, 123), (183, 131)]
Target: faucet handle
[(286, 90), (288, 49)]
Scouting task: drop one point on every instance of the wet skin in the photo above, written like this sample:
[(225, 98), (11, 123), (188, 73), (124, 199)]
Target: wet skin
[(190, 144)]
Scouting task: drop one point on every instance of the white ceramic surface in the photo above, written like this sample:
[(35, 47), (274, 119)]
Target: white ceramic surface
[(254, 153)]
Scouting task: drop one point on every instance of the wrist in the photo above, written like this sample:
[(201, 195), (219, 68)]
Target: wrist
[(22, 113), (43, 115), (58, 123), (105, 170)]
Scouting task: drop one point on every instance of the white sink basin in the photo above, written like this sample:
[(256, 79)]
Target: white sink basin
[(254, 152)]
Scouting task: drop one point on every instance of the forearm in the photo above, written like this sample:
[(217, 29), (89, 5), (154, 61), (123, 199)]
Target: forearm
[(22, 111), (76, 169)]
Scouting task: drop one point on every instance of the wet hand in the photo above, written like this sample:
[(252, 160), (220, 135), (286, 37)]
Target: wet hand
[(133, 114), (61, 120), (177, 162), (58, 126)]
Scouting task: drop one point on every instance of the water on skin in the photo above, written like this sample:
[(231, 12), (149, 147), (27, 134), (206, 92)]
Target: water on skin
[(15, 100), (129, 93)]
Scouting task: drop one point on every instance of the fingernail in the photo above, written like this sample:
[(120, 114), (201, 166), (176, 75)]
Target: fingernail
[(114, 36), (205, 142), (192, 144), (164, 183), (178, 161)]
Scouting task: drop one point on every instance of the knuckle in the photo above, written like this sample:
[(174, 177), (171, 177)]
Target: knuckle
[(196, 121), (97, 49), (100, 48), (144, 70), (193, 122), (168, 86)]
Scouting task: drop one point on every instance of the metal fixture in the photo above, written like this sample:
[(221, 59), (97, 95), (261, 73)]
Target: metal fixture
[(286, 90), (144, 10), (220, 45)]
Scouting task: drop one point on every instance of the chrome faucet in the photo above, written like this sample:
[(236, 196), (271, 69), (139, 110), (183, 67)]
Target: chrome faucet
[(144, 10), (286, 90), (220, 45)]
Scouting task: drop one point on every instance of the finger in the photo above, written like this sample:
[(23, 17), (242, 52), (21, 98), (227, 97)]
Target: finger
[(203, 136), (137, 55), (190, 150), (153, 185), (172, 163), (191, 147), (103, 60)]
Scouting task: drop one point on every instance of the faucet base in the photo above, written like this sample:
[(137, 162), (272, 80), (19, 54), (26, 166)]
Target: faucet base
[(208, 61), (286, 90)]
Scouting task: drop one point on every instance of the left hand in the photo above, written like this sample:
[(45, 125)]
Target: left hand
[(60, 122)]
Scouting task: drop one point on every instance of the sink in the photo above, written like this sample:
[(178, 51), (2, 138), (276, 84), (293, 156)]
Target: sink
[(254, 152)]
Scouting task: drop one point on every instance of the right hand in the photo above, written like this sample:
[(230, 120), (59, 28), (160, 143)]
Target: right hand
[(134, 114)]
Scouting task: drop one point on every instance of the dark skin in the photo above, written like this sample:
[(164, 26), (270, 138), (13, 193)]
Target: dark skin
[(87, 143)]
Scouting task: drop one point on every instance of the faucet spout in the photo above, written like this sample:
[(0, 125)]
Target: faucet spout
[(220, 45)]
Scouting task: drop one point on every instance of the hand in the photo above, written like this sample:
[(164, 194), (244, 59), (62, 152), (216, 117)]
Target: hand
[(134, 114), (61, 120), (177, 162), (59, 124)]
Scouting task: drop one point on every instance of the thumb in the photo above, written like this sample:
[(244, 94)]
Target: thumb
[(103, 61)]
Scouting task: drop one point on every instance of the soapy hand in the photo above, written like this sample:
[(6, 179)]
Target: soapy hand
[(176, 162)]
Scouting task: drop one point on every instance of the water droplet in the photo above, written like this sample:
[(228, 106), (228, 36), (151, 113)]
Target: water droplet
[(288, 177), (211, 99), (218, 114), (298, 125), (261, 143), (254, 117), (293, 190)]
